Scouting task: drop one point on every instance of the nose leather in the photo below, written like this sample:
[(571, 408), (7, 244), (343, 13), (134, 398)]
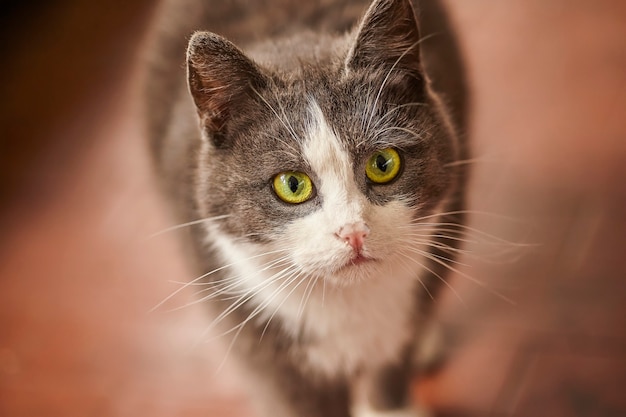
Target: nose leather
[(354, 234)]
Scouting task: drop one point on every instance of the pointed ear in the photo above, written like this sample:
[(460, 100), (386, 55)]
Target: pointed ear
[(221, 78), (388, 35)]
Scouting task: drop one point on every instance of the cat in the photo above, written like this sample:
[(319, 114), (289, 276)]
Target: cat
[(318, 166)]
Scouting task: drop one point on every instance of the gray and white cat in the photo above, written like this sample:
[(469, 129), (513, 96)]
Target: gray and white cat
[(322, 164)]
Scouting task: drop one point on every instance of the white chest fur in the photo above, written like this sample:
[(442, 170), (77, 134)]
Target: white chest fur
[(359, 326)]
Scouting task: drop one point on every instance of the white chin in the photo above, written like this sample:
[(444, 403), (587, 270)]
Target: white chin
[(354, 273)]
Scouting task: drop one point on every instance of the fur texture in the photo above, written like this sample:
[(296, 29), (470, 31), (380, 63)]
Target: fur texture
[(323, 300)]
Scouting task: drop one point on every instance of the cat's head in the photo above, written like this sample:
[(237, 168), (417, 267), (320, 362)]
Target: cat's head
[(326, 151)]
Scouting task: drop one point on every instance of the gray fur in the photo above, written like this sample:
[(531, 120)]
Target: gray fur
[(219, 140)]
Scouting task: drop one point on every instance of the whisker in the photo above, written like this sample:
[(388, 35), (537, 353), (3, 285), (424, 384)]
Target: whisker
[(446, 283), (240, 326), (396, 108), (437, 235), (383, 84), (428, 254), (249, 295), (400, 128), (469, 212), (239, 281), (182, 225), (283, 302), (470, 278), (257, 311), (461, 162), (465, 228), (284, 122), (308, 290), (221, 268), (235, 282), (406, 264)]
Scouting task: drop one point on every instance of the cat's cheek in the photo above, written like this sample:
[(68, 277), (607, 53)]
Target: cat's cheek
[(390, 225)]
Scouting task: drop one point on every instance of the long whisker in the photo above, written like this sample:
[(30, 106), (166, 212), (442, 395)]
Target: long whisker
[(446, 283), (288, 147), (283, 121), (249, 295), (396, 108), (233, 283), (406, 264), (455, 270), (308, 290), (277, 309), (438, 234), (258, 310), (478, 232), (424, 253), (221, 268), (461, 162), (182, 225), (400, 128), (443, 215), (253, 314)]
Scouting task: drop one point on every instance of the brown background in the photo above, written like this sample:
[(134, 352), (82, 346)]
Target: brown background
[(79, 275)]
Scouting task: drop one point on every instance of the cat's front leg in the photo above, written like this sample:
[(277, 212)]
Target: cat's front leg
[(385, 392)]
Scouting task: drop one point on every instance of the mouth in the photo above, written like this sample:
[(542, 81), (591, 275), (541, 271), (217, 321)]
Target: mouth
[(358, 260), (357, 269)]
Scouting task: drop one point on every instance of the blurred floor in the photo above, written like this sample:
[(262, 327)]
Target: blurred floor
[(79, 275)]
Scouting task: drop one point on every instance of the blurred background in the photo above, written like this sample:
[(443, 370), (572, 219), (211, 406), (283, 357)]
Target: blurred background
[(540, 305)]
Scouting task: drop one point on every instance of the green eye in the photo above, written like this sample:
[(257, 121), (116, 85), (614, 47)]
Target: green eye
[(293, 187), (383, 166)]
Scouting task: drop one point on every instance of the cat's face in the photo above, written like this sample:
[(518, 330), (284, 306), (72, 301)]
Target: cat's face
[(336, 169)]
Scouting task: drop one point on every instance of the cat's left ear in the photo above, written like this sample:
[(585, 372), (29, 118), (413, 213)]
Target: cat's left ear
[(221, 79), (389, 36)]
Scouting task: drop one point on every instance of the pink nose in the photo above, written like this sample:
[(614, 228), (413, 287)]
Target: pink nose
[(354, 234)]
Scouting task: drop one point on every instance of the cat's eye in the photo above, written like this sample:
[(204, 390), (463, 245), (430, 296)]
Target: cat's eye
[(293, 187), (383, 166)]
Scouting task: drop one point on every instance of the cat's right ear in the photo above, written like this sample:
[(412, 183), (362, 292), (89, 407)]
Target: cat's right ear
[(388, 36), (220, 79)]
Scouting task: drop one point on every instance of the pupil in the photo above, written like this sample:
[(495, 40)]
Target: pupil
[(381, 163), (293, 184)]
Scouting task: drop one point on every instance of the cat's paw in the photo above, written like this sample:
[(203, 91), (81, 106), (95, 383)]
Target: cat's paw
[(405, 412)]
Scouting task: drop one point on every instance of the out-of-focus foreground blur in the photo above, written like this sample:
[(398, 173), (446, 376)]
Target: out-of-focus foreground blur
[(79, 274)]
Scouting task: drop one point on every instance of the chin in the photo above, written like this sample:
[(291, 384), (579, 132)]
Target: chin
[(355, 272)]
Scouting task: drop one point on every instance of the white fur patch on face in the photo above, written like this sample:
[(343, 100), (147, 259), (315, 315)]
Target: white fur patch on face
[(313, 240), (316, 247), (332, 164)]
